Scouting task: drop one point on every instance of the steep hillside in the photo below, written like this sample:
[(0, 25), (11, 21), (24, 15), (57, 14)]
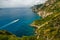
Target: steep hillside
[(47, 8), (48, 27)]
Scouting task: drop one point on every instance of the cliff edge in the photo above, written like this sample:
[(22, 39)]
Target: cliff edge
[(48, 27)]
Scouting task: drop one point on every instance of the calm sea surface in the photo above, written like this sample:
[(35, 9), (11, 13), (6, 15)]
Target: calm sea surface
[(21, 17)]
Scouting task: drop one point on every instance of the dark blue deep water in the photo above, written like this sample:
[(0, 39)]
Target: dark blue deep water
[(21, 27)]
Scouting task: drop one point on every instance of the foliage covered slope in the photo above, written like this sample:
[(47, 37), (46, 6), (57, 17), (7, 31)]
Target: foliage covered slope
[(4, 35), (48, 27)]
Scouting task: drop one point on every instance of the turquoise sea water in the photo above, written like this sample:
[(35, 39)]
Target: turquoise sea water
[(25, 16)]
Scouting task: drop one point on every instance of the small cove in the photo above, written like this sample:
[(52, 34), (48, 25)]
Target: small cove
[(21, 27)]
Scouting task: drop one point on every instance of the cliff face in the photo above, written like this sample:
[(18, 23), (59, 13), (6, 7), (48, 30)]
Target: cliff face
[(47, 8), (48, 27)]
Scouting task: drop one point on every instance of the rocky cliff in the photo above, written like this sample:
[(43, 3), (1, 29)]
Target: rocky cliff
[(48, 27), (47, 8)]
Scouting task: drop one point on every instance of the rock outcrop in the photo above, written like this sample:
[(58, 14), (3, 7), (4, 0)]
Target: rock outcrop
[(47, 8), (48, 27)]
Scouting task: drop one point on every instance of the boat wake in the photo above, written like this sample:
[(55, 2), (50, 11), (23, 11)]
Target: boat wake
[(9, 23)]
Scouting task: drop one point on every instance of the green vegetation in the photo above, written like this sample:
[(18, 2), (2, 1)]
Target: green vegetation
[(4, 35), (48, 28)]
